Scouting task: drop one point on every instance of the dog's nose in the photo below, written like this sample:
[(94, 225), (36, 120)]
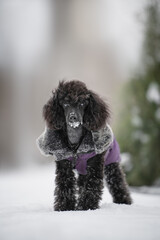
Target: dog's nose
[(72, 117)]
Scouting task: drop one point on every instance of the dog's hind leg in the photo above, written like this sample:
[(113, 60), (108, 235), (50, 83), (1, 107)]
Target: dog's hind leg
[(117, 184), (91, 185), (65, 190)]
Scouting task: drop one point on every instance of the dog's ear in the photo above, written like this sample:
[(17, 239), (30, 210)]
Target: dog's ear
[(96, 114), (53, 113)]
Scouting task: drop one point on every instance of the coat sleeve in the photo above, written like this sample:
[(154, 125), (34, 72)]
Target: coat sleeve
[(43, 143), (102, 139)]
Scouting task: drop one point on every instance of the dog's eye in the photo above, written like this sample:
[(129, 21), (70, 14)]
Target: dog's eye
[(66, 105), (81, 104)]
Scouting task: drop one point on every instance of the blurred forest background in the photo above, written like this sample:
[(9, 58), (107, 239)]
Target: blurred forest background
[(111, 45)]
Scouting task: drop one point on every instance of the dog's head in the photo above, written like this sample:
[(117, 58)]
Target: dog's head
[(73, 104)]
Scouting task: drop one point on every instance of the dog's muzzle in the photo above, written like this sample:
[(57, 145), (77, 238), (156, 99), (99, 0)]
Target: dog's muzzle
[(73, 120)]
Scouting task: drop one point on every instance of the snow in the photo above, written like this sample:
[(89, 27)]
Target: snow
[(153, 94), (140, 135), (136, 121), (74, 124), (135, 118), (126, 161), (26, 212)]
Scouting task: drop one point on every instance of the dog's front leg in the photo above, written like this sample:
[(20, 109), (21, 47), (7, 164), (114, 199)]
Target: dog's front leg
[(65, 187), (117, 184), (91, 185)]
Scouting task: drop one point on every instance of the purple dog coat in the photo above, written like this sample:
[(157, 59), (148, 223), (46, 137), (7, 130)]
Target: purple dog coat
[(51, 142), (111, 156)]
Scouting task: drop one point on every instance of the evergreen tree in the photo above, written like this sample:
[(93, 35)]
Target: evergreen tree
[(139, 130)]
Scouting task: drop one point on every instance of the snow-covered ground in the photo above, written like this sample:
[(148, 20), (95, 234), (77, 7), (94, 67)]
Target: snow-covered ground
[(26, 199)]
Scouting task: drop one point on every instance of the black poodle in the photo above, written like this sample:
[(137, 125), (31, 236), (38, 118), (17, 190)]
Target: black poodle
[(78, 136)]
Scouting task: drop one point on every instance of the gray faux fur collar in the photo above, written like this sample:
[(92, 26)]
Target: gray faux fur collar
[(50, 142)]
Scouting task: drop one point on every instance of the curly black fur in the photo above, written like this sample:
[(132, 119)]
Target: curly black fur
[(117, 184), (91, 185), (96, 113), (65, 187)]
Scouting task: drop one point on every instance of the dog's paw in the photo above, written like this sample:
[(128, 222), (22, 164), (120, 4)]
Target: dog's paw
[(64, 207), (124, 200)]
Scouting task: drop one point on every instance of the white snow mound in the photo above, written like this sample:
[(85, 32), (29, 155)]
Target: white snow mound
[(26, 200)]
